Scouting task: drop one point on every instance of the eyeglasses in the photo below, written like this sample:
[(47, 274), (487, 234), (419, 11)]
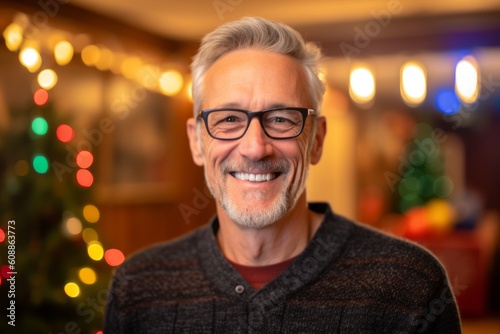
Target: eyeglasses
[(277, 123)]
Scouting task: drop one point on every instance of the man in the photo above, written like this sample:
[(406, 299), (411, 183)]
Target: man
[(270, 262)]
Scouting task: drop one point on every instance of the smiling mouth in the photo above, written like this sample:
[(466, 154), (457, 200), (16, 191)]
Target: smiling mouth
[(255, 177)]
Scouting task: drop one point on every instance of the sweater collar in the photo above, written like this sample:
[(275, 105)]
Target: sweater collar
[(322, 250)]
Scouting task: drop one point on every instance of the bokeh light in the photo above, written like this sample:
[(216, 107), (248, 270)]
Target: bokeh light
[(91, 213), (114, 257), (413, 83), (467, 80), (73, 226), (21, 168), (84, 178), (40, 164), (39, 126), (41, 97), (31, 59), (63, 52), (447, 101), (89, 235), (90, 55), (2, 235), (84, 159), (65, 133), (13, 36), (72, 289), (131, 66), (362, 85), (95, 251), (171, 82), (87, 275), (47, 79), (5, 271)]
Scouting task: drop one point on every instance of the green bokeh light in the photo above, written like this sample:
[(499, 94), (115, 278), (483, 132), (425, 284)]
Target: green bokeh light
[(39, 126), (40, 164)]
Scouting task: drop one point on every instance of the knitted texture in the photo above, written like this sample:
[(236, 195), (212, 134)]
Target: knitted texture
[(349, 279)]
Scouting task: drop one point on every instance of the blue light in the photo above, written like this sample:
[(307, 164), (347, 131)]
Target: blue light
[(447, 101)]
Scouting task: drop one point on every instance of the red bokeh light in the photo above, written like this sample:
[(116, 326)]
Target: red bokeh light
[(114, 257), (2, 235), (84, 159), (84, 178), (5, 271), (41, 97), (65, 133)]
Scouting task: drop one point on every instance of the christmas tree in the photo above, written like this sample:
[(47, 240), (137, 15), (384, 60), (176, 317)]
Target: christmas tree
[(55, 271)]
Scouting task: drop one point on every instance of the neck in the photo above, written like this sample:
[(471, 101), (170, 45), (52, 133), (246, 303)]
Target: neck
[(275, 243)]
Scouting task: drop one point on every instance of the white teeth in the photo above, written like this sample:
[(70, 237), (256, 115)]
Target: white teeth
[(254, 177)]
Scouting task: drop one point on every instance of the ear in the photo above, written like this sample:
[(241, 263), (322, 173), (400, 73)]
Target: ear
[(318, 140), (195, 142)]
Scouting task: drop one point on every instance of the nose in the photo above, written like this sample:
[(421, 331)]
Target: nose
[(255, 144)]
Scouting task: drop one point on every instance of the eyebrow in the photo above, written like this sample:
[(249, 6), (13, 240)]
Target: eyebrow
[(237, 105)]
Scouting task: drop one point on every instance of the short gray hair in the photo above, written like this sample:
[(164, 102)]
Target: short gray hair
[(253, 32)]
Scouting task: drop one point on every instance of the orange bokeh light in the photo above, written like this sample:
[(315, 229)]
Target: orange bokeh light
[(41, 97), (65, 133), (84, 159), (84, 178), (114, 257)]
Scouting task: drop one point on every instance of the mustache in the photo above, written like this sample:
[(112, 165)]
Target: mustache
[(248, 166)]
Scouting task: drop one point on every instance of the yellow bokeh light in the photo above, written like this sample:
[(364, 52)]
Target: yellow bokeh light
[(91, 213), (467, 80), (13, 36), (90, 55), (30, 58), (413, 83), (87, 275), (95, 251), (73, 226), (171, 82), (89, 235), (362, 85), (72, 289), (47, 79), (21, 168), (131, 66), (105, 59), (63, 52)]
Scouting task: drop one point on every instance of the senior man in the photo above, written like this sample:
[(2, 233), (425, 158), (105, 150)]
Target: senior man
[(270, 262)]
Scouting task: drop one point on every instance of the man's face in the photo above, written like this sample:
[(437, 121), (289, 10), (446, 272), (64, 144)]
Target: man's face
[(256, 180)]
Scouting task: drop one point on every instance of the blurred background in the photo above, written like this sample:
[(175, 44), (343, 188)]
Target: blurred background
[(95, 163)]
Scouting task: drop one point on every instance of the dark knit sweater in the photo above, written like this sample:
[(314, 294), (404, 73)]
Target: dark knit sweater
[(349, 279)]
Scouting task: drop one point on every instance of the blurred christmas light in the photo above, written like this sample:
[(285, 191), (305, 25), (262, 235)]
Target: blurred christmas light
[(65, 133), (84, 159), (114, 257), (362, 85), (39, 126), (91, 213), (95, 251), (47, 79), (171, 82), (467, 80), (2, 235), (90, 55), (13, 36), (84, 178), (63, 52), (413, 83), (30, 58), (5, 271), (72, 289), (89, 235), (440, 214), (105, 59), (73, 226), (41, 97), (21, 168), (130, 67), (447, 102), (87, 276), (40, 164)]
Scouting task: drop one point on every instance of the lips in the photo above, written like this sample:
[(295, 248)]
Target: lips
[(255, 177)]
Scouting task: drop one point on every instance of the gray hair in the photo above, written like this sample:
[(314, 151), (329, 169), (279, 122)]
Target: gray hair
[(252, 32)]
